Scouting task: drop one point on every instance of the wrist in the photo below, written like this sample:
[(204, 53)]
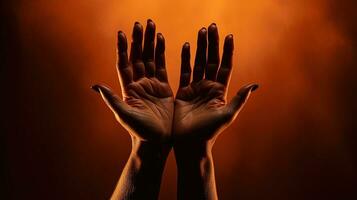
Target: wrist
[(195, 170), (142, 174), (192, 152), (150, 151)]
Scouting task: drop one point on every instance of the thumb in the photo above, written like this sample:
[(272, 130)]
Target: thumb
[(239, 100), (116, 104)]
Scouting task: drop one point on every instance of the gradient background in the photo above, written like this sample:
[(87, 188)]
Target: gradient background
[(295, 139)]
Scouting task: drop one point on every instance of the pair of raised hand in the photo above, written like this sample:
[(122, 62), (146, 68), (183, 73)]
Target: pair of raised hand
[(158, 121)]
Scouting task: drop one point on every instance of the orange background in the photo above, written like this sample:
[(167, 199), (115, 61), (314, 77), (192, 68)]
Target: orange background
[(295, 139)]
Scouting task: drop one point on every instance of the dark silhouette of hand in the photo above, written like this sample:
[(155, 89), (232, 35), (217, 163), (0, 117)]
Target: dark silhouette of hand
[(201, 110), (156, 121), (146, 110)]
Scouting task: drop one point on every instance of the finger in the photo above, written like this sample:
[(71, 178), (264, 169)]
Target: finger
[(185, 65), (136, 52), (239, 100), (213, 53), (118, 106), (200, 60), (125, 71), (149, 45), (160, 71), (224, 72)]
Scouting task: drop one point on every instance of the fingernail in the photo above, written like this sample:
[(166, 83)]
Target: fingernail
[(95, 88), (212, 27), (203, 29), (228, 38), (120, 33), (254, 87)]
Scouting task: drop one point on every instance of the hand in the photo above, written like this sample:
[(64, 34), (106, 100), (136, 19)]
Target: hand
[(202, 112), (146, 110), (201, 109)]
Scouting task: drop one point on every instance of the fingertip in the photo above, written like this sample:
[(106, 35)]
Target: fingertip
[(136, 47), (254, 87), (150, 24), (185, 54), (137, 28), (202, 31), (185, 49), (121, 35), (202, 36), (160, 44), (229, 37), (122, 40), (95, 88), (248, 88), (212, 27), (228, 43), (101, 88), (160, 36)]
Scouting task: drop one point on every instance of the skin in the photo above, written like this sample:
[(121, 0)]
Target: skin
[(146, 111), (202, 112), (157, 122)]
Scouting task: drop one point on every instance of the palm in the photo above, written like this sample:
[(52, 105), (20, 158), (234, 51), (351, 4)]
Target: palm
[(200, 109), (151, 108)]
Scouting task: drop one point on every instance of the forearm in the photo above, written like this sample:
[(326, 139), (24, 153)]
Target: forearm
[(196, 178), (142, 174)]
